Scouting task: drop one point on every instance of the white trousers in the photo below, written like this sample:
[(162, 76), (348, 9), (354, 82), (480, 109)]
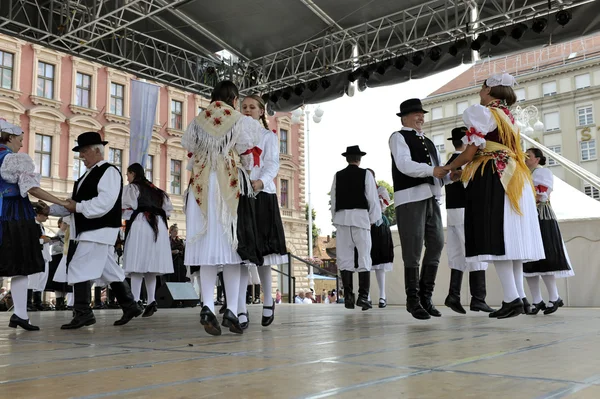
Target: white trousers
[(92, 261), (348, 238), (455, 246)]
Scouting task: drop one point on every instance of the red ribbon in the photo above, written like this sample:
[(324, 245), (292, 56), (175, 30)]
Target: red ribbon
[(541, 189), (255, 151), (473, 132)]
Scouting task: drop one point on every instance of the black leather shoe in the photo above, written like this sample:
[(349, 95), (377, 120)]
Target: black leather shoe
[(349, 301), (23, 323), (429, 308), (266, 321), (150, 309), (231, 321), (382, 303), (363, 302), (223, 308), (209, 321), (526, 306), (555, 305), (508, 310), (413, 306), (129, 312), (83, 317), (536, 307), (244, 325), (478, 305), (453, 302)]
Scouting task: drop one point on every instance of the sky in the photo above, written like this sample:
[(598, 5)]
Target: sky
[(367, 119)]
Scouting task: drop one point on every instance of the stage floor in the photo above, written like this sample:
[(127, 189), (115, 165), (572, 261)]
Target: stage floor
[(312, 351)]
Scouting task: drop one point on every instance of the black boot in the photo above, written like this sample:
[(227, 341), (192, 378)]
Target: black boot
[(364, 284), (348, 288), (97, 297), (82, 313), (60, 304), (256, 293), (478, 292), (130, 307), (30, 306), (426, 285), (411, 285), (37, 300), (453, 298), (248, 295)]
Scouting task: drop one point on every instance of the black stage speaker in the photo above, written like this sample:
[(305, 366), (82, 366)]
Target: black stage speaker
[(176, 295)]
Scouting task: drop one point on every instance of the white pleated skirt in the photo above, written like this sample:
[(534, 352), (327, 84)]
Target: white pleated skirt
[(144, 255)]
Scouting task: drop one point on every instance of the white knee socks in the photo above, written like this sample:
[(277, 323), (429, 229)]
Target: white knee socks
[(534, 287), (231, 277), (18, 290), (518, 272), (208, 279), (136, 285), (244, 275), (150, 280), (264, 272), (550, 281), (504, 269), (380, 274), (70, 299)]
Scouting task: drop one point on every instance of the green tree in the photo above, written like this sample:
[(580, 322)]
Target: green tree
[(390, 211), (315, 230)]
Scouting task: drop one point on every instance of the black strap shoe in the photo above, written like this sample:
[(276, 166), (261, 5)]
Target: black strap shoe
[(382, 303), (266, 321), (23, 323), (150, 309), (536, 307), (231, 321), (555, 305), (511, 309), (209, 321), (244, 324)]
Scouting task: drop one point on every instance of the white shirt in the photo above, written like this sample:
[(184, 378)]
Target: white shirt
[(406, 165), (108, 193), (269, 162), (362, 218), (543, 177)]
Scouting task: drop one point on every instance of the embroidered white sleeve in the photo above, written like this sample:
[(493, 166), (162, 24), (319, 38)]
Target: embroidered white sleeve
[(543, 180), (479, 121), (19, 168), (250, 134), (129, 200), (384, 197), (270, 167)]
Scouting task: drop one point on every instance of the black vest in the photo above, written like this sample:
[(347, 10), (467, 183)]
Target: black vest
[(88, 190), (422, 150), (350, 189), (455, 193)]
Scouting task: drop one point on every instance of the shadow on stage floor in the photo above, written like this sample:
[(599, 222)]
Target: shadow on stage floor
[(312, 351)]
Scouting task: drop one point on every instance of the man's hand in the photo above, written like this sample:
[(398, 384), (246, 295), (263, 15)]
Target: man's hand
[(447, 168), (70, 205), (257, 185), (439, 172), (46, 239)]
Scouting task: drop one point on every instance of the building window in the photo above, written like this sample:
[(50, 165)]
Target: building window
[(552, 121), (585, 116), (520, 93), (115, 156), (45, 80), (558, 150), (582, 81), (283, 141), (83, 89), (175, 177), (436, 113), (78, 166), (438, 140), (150, 168), (6, 70), (461, 107), (588, 150), (117, 99), (591, 191), (549, 89), (283, 193), (176, 114), (43, 154)]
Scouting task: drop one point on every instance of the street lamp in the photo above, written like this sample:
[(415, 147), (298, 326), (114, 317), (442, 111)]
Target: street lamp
[(524, 116)]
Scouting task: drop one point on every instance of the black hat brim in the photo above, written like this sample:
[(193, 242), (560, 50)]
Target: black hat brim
[(410, 112), (79, 147), (362, 154)]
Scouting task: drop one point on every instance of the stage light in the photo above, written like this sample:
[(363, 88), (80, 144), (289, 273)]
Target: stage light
[(299, 89), (457, 46), (478, 43), (383, 66), (287, 93), (325, 83), (435, 54), (518, 31), (539, 25), (275, 96), (265, 97), (497, 37), (563, 17), (400, 62), (417, 58), (313, 85)]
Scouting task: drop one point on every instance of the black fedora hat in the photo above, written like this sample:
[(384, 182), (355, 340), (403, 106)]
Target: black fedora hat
[(411, 105), (88, 138), (353, 150), (458, 133)]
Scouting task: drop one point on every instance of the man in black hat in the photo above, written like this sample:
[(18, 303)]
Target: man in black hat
[(455, 206), (418, 179), (354, 208), (96, 208)]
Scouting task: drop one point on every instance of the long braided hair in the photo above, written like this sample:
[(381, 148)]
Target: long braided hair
[(148, 191), (262, 106)]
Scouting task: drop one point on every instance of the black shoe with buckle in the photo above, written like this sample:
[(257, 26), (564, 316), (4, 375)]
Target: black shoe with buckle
[(244, 324), (555, 305), (209, 321), (266, 321), (231, 321)]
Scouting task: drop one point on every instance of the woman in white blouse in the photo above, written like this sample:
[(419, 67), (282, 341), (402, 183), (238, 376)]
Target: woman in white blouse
[(147, 252), (557, 263)]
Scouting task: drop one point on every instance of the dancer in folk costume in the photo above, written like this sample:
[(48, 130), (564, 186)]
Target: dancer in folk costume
[(500, 215), (147, 252), (221, 228), (382, 244), (354, 208), (96, 209), (20, 254), (268, 217), (557, 262), (37, 282), (455, 244), (56, 250), (418, 179)]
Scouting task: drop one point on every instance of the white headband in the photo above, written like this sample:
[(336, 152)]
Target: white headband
[(9, 128), (501, 79)]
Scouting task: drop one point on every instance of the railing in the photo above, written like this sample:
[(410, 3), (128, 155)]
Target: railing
[(308, 266), (291, 288)]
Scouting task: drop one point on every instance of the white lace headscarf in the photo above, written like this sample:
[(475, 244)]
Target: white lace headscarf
[(501, 79)]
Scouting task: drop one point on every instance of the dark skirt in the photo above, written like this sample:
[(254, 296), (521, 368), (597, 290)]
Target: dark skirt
[(270, 227), (249, 244), (484, 214), (382, 245), (20, 249), (556, 259), (52, 285)]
